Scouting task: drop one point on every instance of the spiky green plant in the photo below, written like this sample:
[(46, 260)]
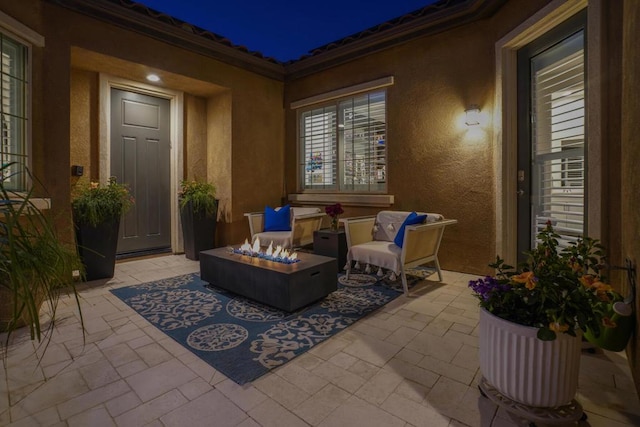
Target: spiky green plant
[(35, 265)]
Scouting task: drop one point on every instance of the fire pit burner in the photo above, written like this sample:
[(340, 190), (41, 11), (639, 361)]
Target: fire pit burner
[(276, 255)]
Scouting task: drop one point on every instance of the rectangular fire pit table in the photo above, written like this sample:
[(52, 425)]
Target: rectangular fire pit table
[(284, 286)]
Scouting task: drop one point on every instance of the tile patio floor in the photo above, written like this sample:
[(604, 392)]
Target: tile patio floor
[(412, 363)]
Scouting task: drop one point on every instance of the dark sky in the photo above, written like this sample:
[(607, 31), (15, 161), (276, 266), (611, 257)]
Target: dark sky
[(285, 29)]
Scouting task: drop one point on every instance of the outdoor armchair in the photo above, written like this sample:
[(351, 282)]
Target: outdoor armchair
[(370, 240), (304, 221)]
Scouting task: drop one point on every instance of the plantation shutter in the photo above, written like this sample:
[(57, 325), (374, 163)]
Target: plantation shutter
[(559, 144), (13, 153), (318, 137)]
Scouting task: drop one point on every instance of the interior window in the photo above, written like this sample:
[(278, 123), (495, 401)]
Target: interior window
[(343, 145), (13, 112)]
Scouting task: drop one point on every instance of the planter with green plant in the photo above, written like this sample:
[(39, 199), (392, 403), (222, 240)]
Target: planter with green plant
[(96, 214), (36, 267), (198, 212), (532, 318)]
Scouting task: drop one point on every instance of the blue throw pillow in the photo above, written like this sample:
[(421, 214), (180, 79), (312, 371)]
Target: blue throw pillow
[(277, 220), (412, 219)]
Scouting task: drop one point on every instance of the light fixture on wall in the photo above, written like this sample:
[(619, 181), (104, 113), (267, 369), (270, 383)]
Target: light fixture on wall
[(153, 78), (472, 115)]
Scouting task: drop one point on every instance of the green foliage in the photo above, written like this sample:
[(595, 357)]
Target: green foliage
[(94, 204), (35, 266), (556, 290), (202, 196)]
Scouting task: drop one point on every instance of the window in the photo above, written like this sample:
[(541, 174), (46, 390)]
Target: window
[(342, 145), (13, 112)]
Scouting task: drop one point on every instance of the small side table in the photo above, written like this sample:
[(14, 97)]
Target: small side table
[(332, 244)]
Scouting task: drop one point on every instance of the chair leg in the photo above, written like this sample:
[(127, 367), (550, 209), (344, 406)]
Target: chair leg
[(438, 269), (404, 283), (348, 269)]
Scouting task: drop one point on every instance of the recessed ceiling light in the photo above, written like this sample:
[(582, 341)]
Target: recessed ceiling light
[(153, 78)]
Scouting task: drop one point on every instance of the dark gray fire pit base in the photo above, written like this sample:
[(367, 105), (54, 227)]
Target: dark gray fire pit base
[(284, 286)]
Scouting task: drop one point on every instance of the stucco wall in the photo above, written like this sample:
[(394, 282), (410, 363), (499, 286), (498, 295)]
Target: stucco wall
[(631, 159), (435, 163), (256, 120)]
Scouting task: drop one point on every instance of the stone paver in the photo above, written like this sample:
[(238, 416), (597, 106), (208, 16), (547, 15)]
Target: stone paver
[(414, 362)]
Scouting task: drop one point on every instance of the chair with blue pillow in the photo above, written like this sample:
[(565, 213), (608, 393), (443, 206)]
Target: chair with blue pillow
[(395, 241), (290, 227)]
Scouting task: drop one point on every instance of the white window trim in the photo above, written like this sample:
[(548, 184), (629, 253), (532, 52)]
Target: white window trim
[(20, 31), (343, 92), (506, 129)]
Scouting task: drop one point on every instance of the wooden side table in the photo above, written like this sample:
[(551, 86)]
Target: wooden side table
[(332, 244)]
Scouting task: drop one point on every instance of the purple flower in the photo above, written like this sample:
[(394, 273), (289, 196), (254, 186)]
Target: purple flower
[(484, 287)]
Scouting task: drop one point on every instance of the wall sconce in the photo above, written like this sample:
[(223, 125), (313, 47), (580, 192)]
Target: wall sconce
[(472, 115)]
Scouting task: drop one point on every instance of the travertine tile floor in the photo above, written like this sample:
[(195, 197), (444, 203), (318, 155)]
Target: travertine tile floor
[(412, 363)]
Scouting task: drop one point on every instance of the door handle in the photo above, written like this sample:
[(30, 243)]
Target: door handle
[(520, 193)]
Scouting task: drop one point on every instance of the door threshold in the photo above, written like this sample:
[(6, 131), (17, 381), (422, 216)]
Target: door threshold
[(147, 253)]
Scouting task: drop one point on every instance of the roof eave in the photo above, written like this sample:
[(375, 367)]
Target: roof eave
[(183, 36), (442, 20)]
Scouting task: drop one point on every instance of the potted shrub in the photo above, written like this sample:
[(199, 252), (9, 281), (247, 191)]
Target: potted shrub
[(198, 212), (532, 319), (35, 265), (97, 211)]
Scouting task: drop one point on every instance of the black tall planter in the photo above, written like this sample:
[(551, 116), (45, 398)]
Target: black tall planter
[(97, 248), (198, 230)]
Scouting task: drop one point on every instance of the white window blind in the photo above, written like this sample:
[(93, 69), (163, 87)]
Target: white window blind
[(343, 145), (558, 146), (13, 112)]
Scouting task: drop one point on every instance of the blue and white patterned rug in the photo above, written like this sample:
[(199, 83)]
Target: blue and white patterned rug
[(244, 339)]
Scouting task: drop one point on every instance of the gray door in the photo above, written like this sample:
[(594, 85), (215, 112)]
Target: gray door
[(140, 157), (552, 135)]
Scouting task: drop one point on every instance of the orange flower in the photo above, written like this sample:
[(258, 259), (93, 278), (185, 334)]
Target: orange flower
[(95, 184), (527, 278), (593, 282), (557, 327)]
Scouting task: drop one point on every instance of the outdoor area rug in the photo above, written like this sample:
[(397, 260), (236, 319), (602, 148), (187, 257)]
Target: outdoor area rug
[(244, 339)]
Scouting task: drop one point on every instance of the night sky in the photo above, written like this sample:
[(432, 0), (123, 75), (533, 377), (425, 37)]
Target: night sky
[(285, 29)]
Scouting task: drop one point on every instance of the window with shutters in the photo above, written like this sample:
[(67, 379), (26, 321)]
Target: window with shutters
[(559, 140), (342, 145), (13, 112)]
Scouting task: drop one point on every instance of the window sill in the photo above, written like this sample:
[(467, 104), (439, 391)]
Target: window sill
[(42, 204), (376, 200)]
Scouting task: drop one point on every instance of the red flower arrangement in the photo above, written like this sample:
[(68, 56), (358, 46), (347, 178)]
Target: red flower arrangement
[(334, 211)]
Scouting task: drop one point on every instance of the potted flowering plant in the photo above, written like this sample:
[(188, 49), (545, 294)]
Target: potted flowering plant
[(334, 212), (532, 319), (97, 210), (556, 291), (198, 211)]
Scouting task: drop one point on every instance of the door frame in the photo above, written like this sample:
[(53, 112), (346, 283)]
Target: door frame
[(176, 98), (506, 123)]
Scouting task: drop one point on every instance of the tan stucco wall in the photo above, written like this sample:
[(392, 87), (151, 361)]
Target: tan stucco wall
[(83, 124), (256, 120), (435, 163), (631, 159)]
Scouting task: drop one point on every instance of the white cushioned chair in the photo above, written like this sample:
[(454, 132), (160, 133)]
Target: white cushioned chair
[(370, 240), (304, 221)]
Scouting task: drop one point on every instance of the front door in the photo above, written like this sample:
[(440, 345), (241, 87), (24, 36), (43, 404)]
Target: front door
[(140, 158), (552, 135)]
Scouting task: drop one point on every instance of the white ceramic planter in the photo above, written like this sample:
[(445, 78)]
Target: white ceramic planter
[(526, 369)]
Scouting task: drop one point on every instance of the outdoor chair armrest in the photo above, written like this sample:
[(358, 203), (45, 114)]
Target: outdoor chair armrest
[(358, 230)]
